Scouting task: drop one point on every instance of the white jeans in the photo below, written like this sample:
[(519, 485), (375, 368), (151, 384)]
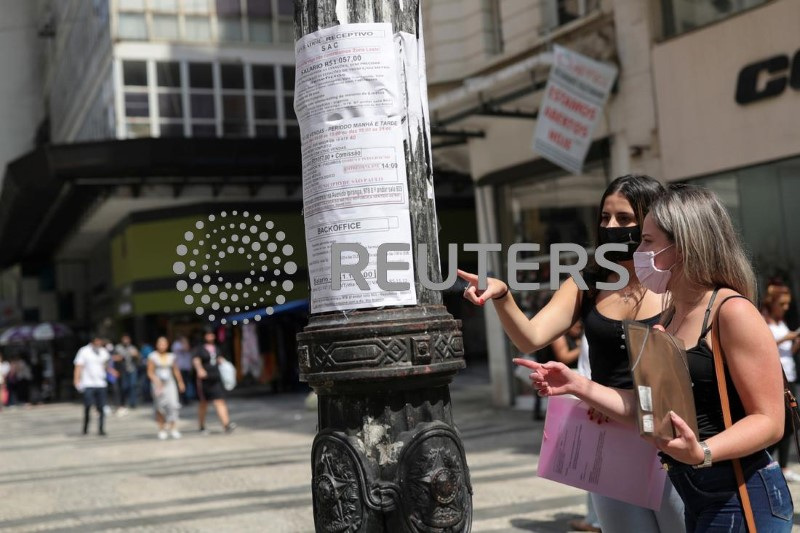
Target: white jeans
[(620, 517)]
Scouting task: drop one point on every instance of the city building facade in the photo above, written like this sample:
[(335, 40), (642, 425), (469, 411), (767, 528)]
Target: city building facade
[(706, 93), (157, 116)]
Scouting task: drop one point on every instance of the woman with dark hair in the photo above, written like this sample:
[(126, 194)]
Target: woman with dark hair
[(206, 360), (623, 207), (691, 252)]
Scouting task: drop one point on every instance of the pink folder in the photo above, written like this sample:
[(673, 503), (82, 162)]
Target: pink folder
[(609, 459)]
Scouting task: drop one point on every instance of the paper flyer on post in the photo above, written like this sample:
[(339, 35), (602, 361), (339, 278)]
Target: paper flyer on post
[(355, 190), (609, 459)]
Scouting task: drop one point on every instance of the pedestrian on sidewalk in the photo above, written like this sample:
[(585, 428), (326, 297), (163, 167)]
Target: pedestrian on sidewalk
[(128, 359), (774, 306), (165, 378), (91, 364), (691, 251), (5, 368), (623, 207), (207, 358), (183, 354)]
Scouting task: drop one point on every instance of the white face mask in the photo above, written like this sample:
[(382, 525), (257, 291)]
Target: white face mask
[(651, 277)]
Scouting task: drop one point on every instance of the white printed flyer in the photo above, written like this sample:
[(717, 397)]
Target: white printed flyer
[(347, 100)]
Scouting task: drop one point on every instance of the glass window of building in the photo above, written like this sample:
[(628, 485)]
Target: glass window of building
[(134, 73), (288, 102), (165, 27), (171, 129), (137, 129), (201, 100), (136, 98), (265, 107), (492, 27), (170, 99), (202, 106), (131, 5), (195, 6), (229, 20), (762, 203), (286, 21), (680, 16), (170, 105), (234, 100), (132, 26), (197, 28), (168, 74), (137, 105), (167, 6), (234, 113), (232, 76), (201, 76), (259, 20)]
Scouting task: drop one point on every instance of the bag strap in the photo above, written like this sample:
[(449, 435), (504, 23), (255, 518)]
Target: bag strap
[(791, 406), (719, 368)]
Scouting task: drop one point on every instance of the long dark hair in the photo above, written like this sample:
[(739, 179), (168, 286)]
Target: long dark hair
[(640, 191)]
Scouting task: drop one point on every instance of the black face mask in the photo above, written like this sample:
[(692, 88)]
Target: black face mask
[(631, 236)]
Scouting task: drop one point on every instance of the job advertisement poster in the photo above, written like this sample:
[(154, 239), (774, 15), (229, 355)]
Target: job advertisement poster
[(573, 102), (354, 176)]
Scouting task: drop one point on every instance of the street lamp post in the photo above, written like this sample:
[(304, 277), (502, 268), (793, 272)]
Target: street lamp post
[(387, 456)]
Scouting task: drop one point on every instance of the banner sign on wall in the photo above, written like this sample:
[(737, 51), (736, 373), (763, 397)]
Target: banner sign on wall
[(576, 92)]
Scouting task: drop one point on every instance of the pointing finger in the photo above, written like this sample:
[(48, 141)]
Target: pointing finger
[(533, 365), (472, 278)]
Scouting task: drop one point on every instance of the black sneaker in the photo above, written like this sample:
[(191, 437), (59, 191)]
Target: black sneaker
[(101, 433), (230, 427)]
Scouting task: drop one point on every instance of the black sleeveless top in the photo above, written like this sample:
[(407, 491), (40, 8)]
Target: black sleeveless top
[(704, 382), (608, 356)]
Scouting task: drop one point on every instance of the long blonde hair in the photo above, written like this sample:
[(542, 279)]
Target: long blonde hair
[(699, 225)]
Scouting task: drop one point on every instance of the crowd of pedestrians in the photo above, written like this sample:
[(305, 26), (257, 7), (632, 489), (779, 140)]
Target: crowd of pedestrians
[(168, 375)]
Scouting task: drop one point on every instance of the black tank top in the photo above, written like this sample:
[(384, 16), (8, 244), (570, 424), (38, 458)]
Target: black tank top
[(704, 382), (608, 357)]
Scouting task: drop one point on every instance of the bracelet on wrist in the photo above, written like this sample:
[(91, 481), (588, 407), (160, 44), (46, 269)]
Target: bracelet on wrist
[(500, 297)]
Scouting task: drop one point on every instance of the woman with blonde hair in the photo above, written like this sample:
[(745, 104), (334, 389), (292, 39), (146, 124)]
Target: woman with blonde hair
[(691, 253), (166, 381), (623, 207)]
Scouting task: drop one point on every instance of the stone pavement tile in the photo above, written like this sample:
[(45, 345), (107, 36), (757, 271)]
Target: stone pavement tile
[(256, 479)]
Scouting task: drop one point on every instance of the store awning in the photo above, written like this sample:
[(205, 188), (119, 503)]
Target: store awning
[(47, 191), (297, 306)]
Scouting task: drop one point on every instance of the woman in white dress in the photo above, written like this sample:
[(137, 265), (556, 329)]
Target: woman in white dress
[(166, 382)]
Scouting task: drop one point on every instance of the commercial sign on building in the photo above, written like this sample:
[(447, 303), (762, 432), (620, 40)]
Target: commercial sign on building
[(729, 106), (573, 102)]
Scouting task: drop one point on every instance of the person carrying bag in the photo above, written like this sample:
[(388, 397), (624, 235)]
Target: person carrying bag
[(691, 253)]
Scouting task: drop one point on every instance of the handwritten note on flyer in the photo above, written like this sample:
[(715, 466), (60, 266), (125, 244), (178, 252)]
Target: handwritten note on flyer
[(609, 459)]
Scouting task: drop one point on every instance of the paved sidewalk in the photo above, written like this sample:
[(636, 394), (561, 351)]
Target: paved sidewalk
[(256, 479)]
